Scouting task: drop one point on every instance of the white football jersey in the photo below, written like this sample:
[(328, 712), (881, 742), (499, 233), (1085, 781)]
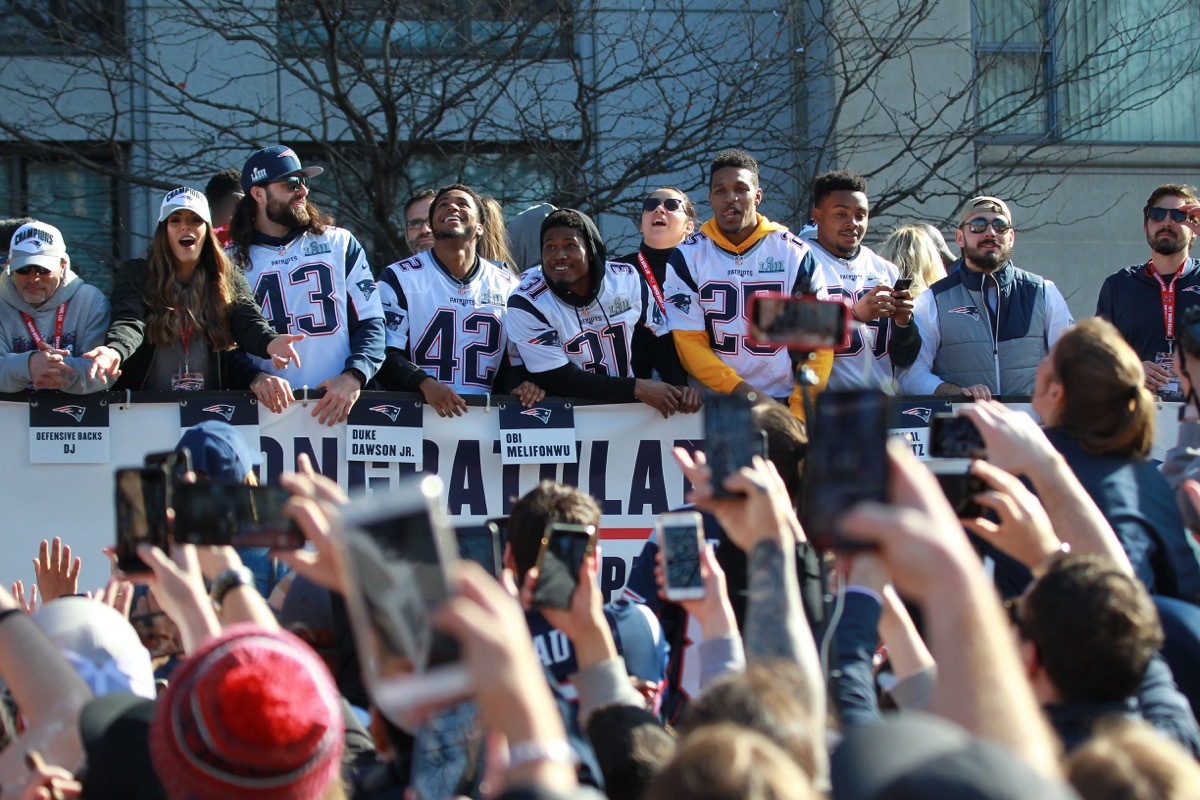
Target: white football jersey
[(320, 286), (707, 289), (549, 333), (454, 331), (865, 364)]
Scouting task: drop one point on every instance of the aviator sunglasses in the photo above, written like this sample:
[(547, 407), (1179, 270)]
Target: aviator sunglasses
[(1158, 214), (978, 225), (669, 203), (23, 271)]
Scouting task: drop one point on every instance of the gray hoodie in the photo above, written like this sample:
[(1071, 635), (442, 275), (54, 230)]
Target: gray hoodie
[(84, 326)]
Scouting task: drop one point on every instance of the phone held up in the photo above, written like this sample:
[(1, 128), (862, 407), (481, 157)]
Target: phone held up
[(680, 537), (564, 547)]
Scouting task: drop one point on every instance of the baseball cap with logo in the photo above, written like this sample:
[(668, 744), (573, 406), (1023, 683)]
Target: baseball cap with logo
[(273, 164), (185, 197), (984, 203), (37, 244)]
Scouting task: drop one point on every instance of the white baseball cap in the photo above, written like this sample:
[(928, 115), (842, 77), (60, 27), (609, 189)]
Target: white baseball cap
[(185, 197), (37, 244)]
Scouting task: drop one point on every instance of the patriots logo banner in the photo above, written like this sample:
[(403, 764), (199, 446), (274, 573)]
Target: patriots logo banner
[(68, 432), (391, 432), (543, 434), (681, 301), (921, 413), (221, 410), (223, 406), (967, 311), (909, 419)]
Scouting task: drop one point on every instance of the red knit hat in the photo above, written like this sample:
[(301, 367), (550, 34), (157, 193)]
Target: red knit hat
[(252, 713)]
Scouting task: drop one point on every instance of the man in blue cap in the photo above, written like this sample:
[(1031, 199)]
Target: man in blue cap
[(309, 277)]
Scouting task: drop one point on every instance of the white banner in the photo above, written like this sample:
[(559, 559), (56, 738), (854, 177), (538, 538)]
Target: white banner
[(624, 461)]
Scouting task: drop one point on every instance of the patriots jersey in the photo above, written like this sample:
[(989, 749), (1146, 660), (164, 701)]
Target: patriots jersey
[(320, 286), (454, 331), (865, 364), (549, 333), (707, 289)]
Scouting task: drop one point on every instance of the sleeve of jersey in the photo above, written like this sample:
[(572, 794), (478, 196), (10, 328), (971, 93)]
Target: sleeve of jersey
[(367, 331), (538, 343), (822, 364), (682, 296), (250, 330)]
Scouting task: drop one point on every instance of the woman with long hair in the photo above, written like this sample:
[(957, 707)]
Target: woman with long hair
[(179, 313), (913, 250), (1090, 394)]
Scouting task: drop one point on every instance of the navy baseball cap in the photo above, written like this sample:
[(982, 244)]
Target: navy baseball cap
[(273, 164), (218, 450)]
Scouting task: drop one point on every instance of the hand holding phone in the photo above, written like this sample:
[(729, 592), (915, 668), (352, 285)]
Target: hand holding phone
[(141, 505), (798, 323), (954, 436), (729, 439), (564, 547)]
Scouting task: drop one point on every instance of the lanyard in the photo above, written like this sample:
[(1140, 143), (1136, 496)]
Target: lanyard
[(650, 279), (59, 316), (1167, 291), (185, 338)]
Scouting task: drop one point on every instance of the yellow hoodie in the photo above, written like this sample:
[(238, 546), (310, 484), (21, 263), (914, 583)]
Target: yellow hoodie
[(695, 349)]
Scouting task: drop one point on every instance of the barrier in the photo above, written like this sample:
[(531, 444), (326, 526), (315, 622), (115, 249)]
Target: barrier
[(624, 461)]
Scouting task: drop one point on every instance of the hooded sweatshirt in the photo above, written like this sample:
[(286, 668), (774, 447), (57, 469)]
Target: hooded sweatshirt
[(85, 321)]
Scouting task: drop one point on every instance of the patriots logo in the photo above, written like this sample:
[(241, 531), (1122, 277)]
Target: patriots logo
[(549, 339), (222, 409), (391, 412), (541, 413), (75, 412), (968, 311), (1193, 289), (392, 320), (367, 287), (681, 301), (921, 413), (656, 316), (288, 152)]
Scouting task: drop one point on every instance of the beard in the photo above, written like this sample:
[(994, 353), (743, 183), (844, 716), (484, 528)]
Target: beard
[(457, 232), (283, 213), (987, 261), (1166, 245)]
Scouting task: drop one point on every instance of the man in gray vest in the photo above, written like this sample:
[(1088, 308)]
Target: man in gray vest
[(986, 325)]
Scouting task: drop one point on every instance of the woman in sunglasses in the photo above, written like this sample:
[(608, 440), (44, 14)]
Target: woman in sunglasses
[(1098, 414), (179, 313), (668, 217)]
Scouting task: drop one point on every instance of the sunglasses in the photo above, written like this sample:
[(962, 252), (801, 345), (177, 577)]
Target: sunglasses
[(23, 271), (979, 225), (1158, 214), (294, 183), (669, 203)]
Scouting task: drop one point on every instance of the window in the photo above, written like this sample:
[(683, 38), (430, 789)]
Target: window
[(509, 172), (478, 28), (61, 26), (80, 203), (1087, 71)]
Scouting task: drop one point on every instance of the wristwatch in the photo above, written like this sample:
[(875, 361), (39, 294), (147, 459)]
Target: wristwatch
[(229, 580)]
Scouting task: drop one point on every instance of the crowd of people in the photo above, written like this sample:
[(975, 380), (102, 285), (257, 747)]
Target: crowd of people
[(1047, 644)]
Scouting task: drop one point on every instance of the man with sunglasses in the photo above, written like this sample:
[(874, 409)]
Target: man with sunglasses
[(48, 316), (985, 326), (1147, 301), (309, 277)]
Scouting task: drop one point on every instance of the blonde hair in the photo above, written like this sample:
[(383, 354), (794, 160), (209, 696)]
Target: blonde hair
[(916, 254), (1129, 760)]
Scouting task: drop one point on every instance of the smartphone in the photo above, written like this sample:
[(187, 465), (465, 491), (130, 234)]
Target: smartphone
[(960, 489), (564, 547), (228, 513), (141, 514), (393, 554), (902, 285), (680, 537), (481, 544), (952, 436), (847, 461), (177, 463), (501, 526), (799, 323), (729, 442)]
